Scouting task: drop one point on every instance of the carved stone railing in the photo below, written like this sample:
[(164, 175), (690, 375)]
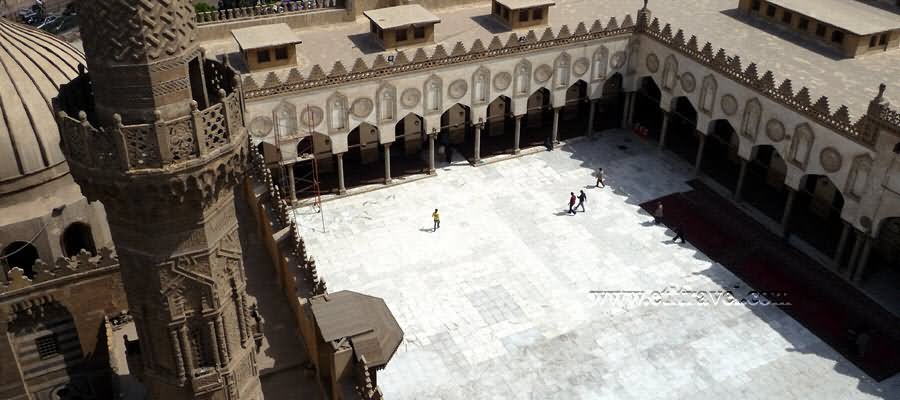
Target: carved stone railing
[(45, 274), (381, 68), (766, 85), (264, 11), (366, 389)]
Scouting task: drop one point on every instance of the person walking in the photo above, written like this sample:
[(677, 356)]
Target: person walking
[(658, 214), (679, 234), (600, 178), (581, 199), (572, 199), (437, 220)]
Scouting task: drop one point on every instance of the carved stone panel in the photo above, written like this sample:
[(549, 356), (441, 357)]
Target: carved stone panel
[(729, 104), (543, 73), (688, 82), (652, 63), (831, 159), (362, 107), (502, 81), (410, 97), (580, 66), (775, 130), (458, 89)]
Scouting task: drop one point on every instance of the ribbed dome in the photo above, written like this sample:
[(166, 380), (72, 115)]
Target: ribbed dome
[(33, 65)]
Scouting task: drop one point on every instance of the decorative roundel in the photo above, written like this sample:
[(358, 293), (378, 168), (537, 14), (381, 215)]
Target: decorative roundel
[(410, 97), (543, 73), (688, 83), (502, 81), (775, 130), (652, 63), (831, 159), (580, 66), (458, 89), (618, 60), (261, 126), (362, 107), (311, 116), (729, 104)]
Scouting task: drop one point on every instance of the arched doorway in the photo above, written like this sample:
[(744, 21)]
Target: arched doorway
[(499, 129), (883, 268), (314, 170), (406, 151), (720, 160), (682, 137), (764, 187), (537, 125), (20, 255), (573, 117), (362, 161), (611, 106), (78, 237), (816, 214), (455, 134), (647, 111)]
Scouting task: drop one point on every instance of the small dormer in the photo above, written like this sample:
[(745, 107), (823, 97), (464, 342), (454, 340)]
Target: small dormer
[(401, 26), (267, 46), (517, 14)]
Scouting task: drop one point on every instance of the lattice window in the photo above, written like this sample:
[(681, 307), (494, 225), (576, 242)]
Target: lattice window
[(47, 346)]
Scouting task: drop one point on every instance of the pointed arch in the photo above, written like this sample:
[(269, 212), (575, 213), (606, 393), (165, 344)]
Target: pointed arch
[(286, 122), (338, 116), (599, 64), (801, 145), (562, 70), (481, 86), (708, 94), (434, 95), (670, 73), (751, 120), (386, 103), (522, 79)]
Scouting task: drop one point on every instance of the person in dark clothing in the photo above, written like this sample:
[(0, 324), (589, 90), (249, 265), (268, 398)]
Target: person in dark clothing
[(679, 234), (581, 199), (658, 214), (572, 199), (448, 152), (600, 178)]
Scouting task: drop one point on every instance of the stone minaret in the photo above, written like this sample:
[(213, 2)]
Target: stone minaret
[(155, 131)]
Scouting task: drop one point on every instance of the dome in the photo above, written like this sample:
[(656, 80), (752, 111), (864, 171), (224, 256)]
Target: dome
[(33, 65)]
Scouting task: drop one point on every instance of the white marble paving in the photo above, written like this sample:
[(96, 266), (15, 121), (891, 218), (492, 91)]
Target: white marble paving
[(496, 304)]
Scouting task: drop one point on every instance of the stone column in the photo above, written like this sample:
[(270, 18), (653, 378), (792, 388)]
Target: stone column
[(518, 134), (841, 247), (854, 255), (292, 185), (223, 344), (340, 168), (186, 351), (430, 154), (788, 209), (626, 110), (478, 143), (590, 126), (387, 163), (699, 160), (863, 260), (631, 101), (738, 191), (554, 138), (213, 342), (664, 130), (177, 352)]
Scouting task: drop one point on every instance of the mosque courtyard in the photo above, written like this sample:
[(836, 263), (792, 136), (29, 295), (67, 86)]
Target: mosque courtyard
[(502, 301)]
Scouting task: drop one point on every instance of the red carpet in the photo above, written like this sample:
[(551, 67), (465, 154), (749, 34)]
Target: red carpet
[(819, 299)]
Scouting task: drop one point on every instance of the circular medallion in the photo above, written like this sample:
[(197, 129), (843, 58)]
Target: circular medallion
[(652, 63), (729, 104), (688, 83), (410, 97), (775, 130), (502, 81), (831, 159), (580, 66), (362, 107), (618, 60), (458, 89), (543, 73), (312, 116), (261, 126)]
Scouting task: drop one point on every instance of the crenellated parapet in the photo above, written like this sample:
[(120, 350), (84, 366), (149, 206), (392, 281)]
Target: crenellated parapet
[(49, 274), (421, 61), (765, 84)]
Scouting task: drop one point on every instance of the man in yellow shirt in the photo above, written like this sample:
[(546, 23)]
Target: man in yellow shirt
[(437, 220)]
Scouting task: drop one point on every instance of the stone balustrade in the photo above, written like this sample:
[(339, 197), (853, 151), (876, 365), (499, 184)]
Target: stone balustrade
[(263, 11)]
